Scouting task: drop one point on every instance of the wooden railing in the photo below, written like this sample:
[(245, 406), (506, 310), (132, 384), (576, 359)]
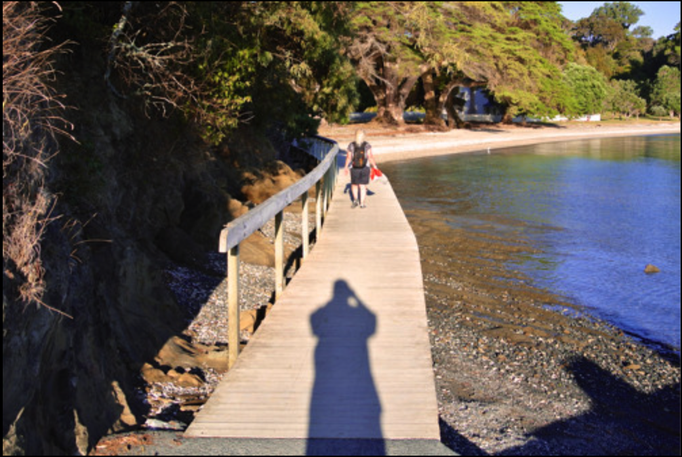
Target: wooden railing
[(323, 177)]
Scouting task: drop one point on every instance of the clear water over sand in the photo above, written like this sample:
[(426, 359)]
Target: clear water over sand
[(599, 210)]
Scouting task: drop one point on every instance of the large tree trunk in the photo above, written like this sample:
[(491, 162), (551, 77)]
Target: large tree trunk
[(446, 100), (454, 121), (390, 91), (508, 115), (432, 105), (392, 113)]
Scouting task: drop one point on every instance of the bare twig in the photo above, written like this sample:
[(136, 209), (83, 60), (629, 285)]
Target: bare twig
[(31, 119)]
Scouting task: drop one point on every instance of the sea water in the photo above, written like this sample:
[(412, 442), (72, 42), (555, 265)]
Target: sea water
[(608, 208)]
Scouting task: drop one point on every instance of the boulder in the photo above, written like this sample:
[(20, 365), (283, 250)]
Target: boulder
[(257, 249), (152, 375), (236, 208), (189, 380), (651, 269), (177, 352), (215, 358), (260, 185), (127, 418)]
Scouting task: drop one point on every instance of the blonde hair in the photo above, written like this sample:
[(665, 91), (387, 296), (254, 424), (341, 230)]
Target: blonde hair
[(359, 136)]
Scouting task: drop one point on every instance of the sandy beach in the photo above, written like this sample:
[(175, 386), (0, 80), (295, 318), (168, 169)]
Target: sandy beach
[(412, 141)]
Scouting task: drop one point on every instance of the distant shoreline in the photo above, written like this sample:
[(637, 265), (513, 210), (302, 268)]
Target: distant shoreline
[(409, 142)]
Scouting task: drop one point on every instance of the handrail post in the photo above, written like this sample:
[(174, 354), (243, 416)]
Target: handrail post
[(233, 305), (325, 195), (279, 254), (330, 186), (304, 224), (318, 209), (239, 229)]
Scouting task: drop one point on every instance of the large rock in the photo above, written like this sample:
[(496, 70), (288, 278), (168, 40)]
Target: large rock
[(651, 269), (178, 352), (257, 249), (126, 419), (236, 208), (261, 185)]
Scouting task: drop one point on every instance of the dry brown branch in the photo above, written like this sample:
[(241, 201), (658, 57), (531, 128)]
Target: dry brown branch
[(154, 69), (31, 118)]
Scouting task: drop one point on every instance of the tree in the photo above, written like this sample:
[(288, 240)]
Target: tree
[(623, 99), (624, 13), (229, 63), (666, 91), (610, 45), (589, 89), (530, 50), (383, 50), (669, 48), (513, 48)]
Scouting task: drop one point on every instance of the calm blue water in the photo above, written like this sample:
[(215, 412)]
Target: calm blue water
[(606, 208)]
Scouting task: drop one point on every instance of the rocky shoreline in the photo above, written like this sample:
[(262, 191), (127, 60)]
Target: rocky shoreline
[(512, 376), (519, 370)]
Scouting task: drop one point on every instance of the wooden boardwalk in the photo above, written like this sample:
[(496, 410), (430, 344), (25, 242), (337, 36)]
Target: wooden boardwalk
[(345, 351)]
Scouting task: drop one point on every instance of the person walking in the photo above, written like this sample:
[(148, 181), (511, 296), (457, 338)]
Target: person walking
[(360, 158)]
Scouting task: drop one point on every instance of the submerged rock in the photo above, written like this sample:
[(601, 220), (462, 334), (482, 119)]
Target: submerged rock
[(651, 269)]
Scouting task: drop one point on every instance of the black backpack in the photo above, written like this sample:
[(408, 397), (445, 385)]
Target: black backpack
[(359, 154)]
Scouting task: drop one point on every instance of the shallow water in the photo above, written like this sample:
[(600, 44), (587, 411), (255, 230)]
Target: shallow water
[(598, 211)]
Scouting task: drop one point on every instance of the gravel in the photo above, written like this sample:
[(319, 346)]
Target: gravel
[(521, 371), (203, 294), (518, 371)]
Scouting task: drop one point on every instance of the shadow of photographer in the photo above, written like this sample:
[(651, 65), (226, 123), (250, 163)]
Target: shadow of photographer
[(344, 401)]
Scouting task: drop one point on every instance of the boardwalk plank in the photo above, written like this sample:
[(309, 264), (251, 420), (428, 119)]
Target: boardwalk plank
[(345, 351)]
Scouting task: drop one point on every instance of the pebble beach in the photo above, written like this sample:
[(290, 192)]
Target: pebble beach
[(518, 370)]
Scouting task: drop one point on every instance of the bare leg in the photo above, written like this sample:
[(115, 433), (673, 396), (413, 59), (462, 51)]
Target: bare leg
[(354, 193), (363, 194)]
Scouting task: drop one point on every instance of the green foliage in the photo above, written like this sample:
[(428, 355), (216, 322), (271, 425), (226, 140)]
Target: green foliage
[(529, 48), (658, 111), (609, 43), (589, 89), (516, 49), (623, 99), (271, 63), (623, 13), (288, 63), (666, 91), (224, 64), (669, 48)]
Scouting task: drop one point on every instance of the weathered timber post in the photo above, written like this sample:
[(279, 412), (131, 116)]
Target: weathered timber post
[(242, 227), (325, 194), (318, 209), (233, 305), (279, 254), (304, 224)]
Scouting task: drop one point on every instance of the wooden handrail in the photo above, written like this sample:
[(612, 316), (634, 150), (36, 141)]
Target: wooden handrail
[(238, 230)]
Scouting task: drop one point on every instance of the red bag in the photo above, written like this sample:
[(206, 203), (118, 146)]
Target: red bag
[(374, 174)]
